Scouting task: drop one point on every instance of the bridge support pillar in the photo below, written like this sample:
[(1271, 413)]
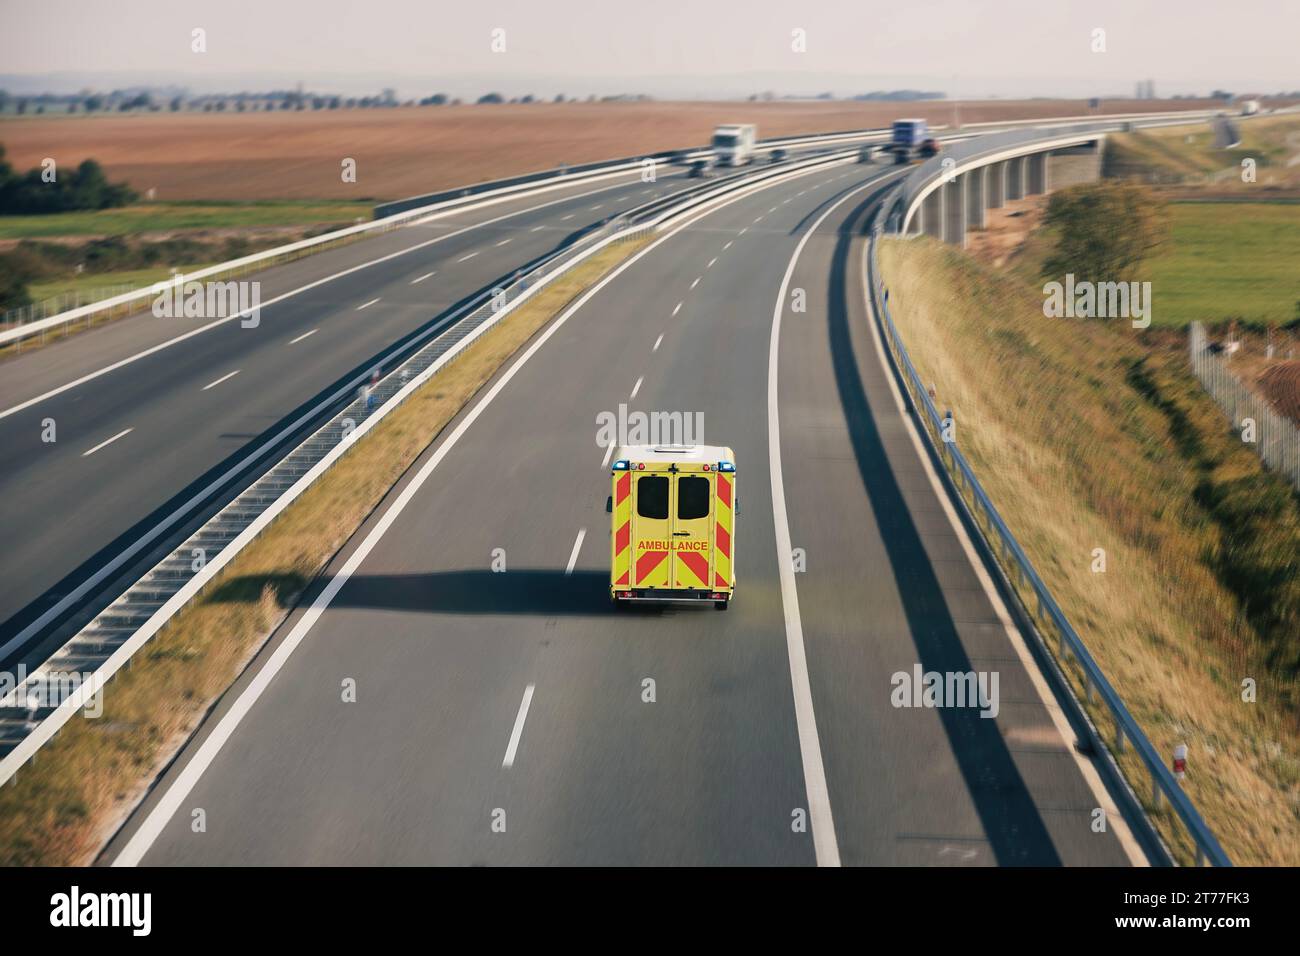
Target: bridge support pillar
[(997, 191), (931, 212), (954, 211), (1037, 173), (1016, 178), (976, 196)]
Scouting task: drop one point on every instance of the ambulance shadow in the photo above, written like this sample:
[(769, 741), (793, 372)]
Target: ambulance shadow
[(540, 591), (1009, 819)]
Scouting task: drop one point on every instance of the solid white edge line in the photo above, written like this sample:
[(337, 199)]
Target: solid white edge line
[(1090, 774), (87, 454), (577, 546), (303, 336), (810, 750), (174, 795), (223, 378), (518, 731)]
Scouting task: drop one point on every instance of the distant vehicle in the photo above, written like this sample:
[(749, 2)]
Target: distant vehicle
[(1249, 107), (733, 144), (908, 137), (778, 156), (700, 168), (673, 533), (929, 148), (866, 154)]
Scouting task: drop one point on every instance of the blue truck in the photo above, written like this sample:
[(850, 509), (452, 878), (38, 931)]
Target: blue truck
[(911, 140)]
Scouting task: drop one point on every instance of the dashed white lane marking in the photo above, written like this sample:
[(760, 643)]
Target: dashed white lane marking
[(303, 336), (566, 218), (711, 262), (573, 555), (658, 342), (467, 258), (597, 206), (758, 220), (773, 209), (427, 275), (503, 242), (728, 245), (220, 380), (636, 388), (518, 731), (677, 308), (696, 282), (174, 793), (609, 453), (86, 454), (743, 231), (366, 305), (537, 228)]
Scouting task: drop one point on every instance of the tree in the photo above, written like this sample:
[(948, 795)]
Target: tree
[(491, 98), (176, 104), (1104, 231)]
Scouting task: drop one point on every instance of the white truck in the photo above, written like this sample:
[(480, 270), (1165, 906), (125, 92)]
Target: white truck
[(733, 144), (1249, 107)]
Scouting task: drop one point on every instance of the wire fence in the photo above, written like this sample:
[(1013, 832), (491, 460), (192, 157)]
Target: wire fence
[(1272, 435)]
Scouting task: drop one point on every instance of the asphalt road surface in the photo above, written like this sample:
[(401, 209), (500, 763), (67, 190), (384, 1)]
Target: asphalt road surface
[(146, 413), (516, 718)]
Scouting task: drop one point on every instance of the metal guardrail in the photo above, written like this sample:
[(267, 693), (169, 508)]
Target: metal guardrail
[(1015, 563), (393, 215), (134, 299), (28, 716), (1276, 439)]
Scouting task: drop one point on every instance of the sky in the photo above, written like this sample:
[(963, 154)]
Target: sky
[(970, 48)]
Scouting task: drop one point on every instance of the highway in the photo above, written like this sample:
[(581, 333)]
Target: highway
[(148, 412), (516, 718)]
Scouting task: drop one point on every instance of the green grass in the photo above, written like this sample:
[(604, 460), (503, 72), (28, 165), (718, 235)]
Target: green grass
[(1228, 260), (87, 284), (159, 217)]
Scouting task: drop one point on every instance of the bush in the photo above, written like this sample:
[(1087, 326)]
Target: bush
[(1104, 231), (86, 188)]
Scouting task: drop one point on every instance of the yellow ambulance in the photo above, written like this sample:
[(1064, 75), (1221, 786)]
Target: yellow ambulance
[(674, 531)]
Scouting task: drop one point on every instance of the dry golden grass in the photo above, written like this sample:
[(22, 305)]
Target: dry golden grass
[(1186, 162), (1088, 436), (63, 807), (408, 151)]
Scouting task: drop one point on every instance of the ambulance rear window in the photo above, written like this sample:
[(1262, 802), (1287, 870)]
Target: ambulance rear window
[(692, 498), (652, 497)]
